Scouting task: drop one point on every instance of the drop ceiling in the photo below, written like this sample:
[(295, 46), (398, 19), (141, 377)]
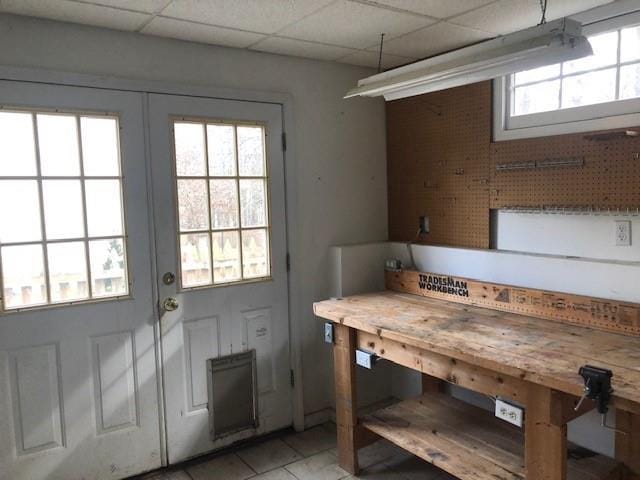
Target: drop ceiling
[(346, 31)]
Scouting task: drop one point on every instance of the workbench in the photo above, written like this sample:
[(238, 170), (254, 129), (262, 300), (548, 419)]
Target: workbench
[(531, 361)]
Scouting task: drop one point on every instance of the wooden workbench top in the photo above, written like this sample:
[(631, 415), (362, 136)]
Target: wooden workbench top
[(540, 351)]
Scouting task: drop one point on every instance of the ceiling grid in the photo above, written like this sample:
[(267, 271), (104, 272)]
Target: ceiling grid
[(346, 31)]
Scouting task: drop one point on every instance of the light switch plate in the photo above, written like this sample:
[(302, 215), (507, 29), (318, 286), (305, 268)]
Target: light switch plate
[(328, 332)]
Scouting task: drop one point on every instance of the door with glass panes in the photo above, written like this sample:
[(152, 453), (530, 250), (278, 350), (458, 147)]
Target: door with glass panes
[(219, 202), (78, 387)]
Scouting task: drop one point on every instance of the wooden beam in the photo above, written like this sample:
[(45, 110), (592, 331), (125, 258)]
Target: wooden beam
[(628, 441), (545, 436), (445, 368), (346, 400)]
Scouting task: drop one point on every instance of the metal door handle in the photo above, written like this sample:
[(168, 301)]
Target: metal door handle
[(170, 304)]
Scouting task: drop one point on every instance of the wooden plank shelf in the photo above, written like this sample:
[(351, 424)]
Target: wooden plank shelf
[(470, 443)]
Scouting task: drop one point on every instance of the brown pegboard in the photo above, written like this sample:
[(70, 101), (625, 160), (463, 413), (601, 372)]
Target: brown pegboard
[(438, 165), (442, 163), (610, 177)]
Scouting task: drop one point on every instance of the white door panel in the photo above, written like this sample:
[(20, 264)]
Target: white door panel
[(78, 390), (218, 320)]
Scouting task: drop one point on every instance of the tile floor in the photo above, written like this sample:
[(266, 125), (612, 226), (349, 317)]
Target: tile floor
[(309, 455)]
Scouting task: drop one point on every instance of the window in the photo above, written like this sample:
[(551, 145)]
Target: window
[(222, 198), (597, 92), (62, 235)]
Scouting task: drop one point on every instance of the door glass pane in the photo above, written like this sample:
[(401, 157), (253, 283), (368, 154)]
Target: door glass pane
[(19, 211), (192, 205), (17, 152), (104, 208), (189, 144), (590, 88), (195, 260), (23, 276), (68, 227), (58, 142), (537, 74), (540, 97), (251, 151), (100, 146), (630, 46), (605, 52), (67, 271), (224, 204), (630, 81), (63, 213), (255, 253), (108, 267), (226, 257), (222, 150), (253, 203), (209, 255)]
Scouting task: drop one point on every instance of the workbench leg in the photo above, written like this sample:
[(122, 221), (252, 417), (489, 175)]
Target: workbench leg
[(628, 441), (545, 437), (346, 404)]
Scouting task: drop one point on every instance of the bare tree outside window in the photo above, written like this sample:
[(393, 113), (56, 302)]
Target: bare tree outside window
[(222, 202)]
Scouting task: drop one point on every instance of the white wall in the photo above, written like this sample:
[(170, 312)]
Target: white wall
[(356, 269), (608, 279), (339, 144), (587, 236)]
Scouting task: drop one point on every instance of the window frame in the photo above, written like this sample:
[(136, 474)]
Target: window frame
[(237, 177), (600, 116), (86, 238)]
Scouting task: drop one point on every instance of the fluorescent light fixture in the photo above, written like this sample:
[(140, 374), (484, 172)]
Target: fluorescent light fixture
[(546, 44)]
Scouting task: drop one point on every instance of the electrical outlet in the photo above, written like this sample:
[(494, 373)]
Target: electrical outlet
[(509, 413), (365, 359), (623, 233), (423, 224)]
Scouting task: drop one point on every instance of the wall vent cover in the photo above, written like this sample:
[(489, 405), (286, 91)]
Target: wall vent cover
[(232, 387)]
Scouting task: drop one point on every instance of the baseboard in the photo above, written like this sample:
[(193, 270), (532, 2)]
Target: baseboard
[(329, 414)]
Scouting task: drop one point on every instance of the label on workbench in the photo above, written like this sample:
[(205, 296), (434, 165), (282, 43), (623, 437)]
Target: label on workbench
[(611, 315), (449, 285)]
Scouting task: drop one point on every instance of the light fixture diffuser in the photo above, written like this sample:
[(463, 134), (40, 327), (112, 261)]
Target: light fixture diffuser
[(545, 44)]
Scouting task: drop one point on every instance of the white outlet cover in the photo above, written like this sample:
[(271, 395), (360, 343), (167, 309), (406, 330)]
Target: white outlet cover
[(623, 233), (509, 413)]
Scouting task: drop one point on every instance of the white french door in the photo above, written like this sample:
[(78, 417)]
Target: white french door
[(219, 203), (78, 386), (79, 339)]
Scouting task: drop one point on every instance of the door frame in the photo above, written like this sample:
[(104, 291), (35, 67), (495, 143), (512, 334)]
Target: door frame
[(285, 100)]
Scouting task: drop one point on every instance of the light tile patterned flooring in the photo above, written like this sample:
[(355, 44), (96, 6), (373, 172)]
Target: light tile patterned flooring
[(309, 455)]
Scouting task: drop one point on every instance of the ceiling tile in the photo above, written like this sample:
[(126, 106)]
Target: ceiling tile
[(436, 8), (147, 6), (254, 15), (370, 59), (354, 25), (507, 16), (197, 32), (433, 40), (300, 48), (68, 11)]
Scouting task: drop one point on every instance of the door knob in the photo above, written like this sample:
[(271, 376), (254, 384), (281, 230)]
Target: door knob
[(170, 304)]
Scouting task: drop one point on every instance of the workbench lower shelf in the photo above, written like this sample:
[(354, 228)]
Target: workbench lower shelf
[(469, 442)]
